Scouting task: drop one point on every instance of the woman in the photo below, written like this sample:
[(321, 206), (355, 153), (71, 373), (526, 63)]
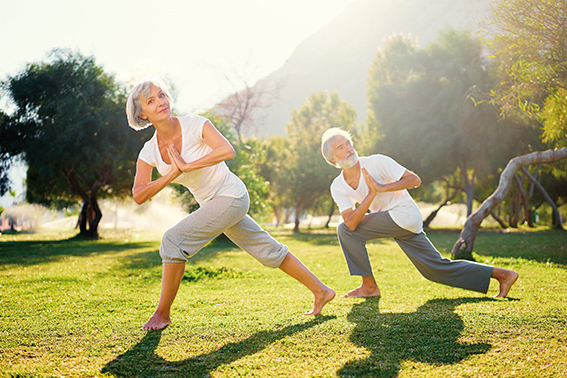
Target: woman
[(191, 151)]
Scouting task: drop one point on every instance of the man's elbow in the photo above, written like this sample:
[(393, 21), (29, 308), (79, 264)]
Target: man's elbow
[(417, 181), (350, 225)]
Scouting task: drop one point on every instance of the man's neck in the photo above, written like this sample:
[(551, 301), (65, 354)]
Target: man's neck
[(352, 175)]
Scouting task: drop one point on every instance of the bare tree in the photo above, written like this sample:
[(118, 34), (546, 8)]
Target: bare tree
[(241, 108)]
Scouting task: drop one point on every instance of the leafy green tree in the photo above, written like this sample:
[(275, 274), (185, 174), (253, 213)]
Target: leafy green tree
[(422, 102), (530, 49), (312, 176), (277, 169), (530, 44), (70, 127)]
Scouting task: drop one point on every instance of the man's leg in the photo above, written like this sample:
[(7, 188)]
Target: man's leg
[(353, 243), (463, 274)]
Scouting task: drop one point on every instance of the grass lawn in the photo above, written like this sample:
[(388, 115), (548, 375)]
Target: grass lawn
[(73, 308)]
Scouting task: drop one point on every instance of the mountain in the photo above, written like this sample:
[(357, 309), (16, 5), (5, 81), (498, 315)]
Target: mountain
[(339, 55)]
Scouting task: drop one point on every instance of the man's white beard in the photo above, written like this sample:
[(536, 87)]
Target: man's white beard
[(348, 162)]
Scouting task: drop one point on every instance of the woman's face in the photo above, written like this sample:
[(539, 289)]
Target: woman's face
[(156, 106)]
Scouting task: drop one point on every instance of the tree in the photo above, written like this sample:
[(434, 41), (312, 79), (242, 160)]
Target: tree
[(421, 101), (312, 176), (530, 45), (69, 125), (278, 169), (240, 109), (464, 246)]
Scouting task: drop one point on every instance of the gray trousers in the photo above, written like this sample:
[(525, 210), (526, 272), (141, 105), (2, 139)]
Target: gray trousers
[(464, 274), (221, 215)]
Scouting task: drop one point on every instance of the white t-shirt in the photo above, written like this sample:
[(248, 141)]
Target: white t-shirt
[(399, 204), (205, 183)]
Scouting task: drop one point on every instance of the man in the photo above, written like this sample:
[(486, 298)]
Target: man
[(386, 210)]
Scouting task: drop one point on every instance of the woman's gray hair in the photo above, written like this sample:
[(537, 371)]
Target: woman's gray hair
[(327, 138), (134, 106)]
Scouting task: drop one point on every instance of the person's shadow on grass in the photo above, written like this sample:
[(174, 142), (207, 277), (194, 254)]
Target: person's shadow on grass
[(429, 335), (142, 360)]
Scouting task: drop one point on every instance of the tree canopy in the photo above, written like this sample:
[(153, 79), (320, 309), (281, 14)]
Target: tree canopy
[(530, 43), (70, 127), (312, 176)]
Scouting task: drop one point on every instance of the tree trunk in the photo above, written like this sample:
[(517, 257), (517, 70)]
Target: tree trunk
[(331, 212), (299, 203), (469, 190), (464, 245), (525, 201), (556, 216), (433, 214)]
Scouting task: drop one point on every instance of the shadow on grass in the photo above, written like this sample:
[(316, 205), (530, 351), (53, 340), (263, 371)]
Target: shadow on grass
[(429, 335), (46, 251), (142, 360)]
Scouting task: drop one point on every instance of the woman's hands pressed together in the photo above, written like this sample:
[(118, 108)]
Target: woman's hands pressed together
[(177, 161)]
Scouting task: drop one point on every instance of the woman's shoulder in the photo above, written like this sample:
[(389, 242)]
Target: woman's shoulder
[(192, 120)]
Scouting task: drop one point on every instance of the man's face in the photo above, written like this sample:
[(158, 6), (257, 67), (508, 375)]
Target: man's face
[(344, 152)]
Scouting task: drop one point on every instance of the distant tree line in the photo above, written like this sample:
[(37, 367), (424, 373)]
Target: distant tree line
[(455, 112)]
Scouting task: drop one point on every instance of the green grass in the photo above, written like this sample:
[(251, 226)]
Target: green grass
[(73, 308)]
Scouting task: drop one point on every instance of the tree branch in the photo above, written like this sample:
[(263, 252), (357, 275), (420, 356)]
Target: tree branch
[(464, 245)]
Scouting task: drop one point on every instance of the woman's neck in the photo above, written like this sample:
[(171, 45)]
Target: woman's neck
[(167, 129)]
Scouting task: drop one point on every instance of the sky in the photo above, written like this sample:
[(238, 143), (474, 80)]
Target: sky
[(207, 48)]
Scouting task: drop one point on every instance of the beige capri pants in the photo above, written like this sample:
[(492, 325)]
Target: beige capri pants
[(226, 215)]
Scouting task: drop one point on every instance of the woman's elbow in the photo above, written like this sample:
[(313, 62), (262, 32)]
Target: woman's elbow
[(230, 152), (137, 197)]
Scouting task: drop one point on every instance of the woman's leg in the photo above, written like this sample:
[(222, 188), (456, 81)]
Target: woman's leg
[(183, 241), (249, 236), (295, 268), (170, 281)]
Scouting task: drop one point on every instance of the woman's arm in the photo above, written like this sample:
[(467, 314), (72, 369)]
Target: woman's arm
[(221, 150), (144, 188)]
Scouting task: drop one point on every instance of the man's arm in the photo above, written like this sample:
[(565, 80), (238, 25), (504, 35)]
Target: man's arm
[(352, 217)]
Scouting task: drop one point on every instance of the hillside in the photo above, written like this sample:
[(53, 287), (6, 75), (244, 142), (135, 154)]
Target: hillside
[(338, 56)]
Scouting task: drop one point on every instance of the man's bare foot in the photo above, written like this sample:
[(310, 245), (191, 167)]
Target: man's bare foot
[(321, 299), (363, 292), (506, 278), (157, 321)]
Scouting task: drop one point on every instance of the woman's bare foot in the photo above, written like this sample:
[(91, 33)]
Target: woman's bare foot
[(157, 321), (506, 278), (321, 299)]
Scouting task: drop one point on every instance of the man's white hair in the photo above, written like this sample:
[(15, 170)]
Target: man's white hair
[(134, 106), (327, 138)]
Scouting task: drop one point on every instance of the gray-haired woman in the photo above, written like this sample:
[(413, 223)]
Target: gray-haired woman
[(191, 151)]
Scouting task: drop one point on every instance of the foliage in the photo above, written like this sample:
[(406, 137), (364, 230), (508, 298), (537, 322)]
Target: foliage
[(74, 308), (530, 46), (277, 169), (69, 124), (312, 176), (246, 164), (423, 102)]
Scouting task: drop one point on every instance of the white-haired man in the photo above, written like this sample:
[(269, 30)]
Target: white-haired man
[(386, 210)]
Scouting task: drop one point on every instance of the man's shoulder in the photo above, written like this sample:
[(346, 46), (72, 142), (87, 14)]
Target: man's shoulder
[(338, 181)]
